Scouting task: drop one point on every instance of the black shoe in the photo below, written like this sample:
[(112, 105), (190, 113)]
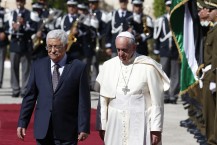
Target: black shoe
[(186, 120), (187, 123), (15, 95), (201, 141), (173, 101), (199, 136), (22, 95), (187, 106), (185, 103), (196, 131), (191, 130), (166, 101)]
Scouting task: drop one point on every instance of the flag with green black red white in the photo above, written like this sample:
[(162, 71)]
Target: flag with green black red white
[(186, 30)]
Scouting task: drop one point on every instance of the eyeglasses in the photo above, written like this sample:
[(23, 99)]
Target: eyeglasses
[(56, 47)]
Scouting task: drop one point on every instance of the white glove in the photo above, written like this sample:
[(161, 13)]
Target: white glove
[(201, 84), (212, 87), (156, 51)]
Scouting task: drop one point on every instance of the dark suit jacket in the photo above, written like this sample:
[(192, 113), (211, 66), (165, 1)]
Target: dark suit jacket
[(68, 106)]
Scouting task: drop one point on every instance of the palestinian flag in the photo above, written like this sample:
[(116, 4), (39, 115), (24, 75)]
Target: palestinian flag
[(186, 31)]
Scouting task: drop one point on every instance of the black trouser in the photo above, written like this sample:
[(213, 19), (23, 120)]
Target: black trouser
[(50, 139)]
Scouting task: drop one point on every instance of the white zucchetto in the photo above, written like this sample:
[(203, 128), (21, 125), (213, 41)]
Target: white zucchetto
[(126, 34)]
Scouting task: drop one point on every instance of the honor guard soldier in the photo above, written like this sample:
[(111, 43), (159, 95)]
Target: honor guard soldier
[(193, 99), (39, 38), (70, 24), (45, 8), (117, 24), (209, 76), (141, 26), (3, 42), (49, 14), (20, 47), (82, 9), (98, 21), (169, 57)]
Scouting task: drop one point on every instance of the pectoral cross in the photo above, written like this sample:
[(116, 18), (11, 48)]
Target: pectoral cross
[(125, 90)]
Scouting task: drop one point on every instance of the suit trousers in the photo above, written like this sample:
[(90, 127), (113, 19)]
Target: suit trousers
[(172, 68), (2, 60), (92, 68), (25, 60), (51, 140)]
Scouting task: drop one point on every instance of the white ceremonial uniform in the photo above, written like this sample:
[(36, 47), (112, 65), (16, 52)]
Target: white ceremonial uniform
[(131, 100)]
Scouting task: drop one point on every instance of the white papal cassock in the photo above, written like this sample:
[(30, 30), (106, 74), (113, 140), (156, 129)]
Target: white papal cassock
[(129, 117)]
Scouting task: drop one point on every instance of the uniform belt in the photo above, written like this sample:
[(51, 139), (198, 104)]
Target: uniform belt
[(207, 68), (204, 70)]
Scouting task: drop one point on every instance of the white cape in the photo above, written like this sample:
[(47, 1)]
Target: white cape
[(108, 77)]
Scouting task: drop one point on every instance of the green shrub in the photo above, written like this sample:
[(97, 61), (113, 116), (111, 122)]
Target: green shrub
[(159, 8)]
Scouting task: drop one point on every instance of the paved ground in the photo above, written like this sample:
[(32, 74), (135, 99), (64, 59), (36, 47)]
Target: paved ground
[(173, 134)]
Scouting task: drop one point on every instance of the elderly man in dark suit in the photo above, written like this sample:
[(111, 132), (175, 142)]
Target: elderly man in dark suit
[(60, 87)]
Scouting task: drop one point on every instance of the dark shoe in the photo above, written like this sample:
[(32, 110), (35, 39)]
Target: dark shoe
[(201, 141), (199, 136), (166, 101), (173, 101), (191, 130), (15, 95), (185, 103), (196, 131), (186, 107), (186, 123), (22, 95)]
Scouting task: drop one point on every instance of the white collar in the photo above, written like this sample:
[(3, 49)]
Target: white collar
[(120, 11)]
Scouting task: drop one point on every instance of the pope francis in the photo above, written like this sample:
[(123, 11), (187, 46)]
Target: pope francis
[(131, 86)]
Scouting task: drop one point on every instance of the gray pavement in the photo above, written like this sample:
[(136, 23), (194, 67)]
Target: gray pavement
[(173, 134)]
